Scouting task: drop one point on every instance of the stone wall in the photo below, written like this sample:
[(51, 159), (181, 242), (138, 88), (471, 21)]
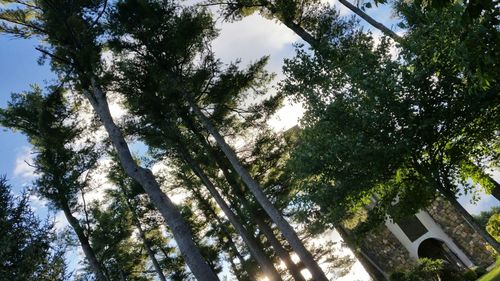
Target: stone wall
[(455, 226), (385, 249)]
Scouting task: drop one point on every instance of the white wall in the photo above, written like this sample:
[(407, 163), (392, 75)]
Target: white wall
[(433, 231)]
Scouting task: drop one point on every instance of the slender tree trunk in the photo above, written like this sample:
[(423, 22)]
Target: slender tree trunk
[(287, 231), (386, 31), (495, 191), (311, 40), (375, 272), (302, 33), (266, 264), (209, 212), (180, 230), (145, 240), (258, 218), (266, 230), (90, 255), (282, 253), (496, 188)]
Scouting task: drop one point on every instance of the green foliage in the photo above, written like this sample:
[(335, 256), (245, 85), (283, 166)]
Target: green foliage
[(434, 270), (380, 127), (426, 270), (28, 249), (52, 129), (493, 275), (470, 275), (116, 249), (136, 214), (286, 10), (484, 216), (493, 226)]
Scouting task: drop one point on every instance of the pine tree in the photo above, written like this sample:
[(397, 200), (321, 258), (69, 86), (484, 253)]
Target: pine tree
[(72, 34), (130, 195), (28, 249), (52, 130), (302, 17), (175, 79)]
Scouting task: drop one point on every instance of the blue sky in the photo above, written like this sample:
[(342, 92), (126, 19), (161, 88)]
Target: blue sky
[(18, 70), (249, 40)]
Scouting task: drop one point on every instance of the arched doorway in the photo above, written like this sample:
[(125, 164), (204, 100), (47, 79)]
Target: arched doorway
[(436, 249)]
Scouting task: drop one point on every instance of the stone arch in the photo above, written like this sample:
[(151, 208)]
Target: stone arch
[(437, 249)]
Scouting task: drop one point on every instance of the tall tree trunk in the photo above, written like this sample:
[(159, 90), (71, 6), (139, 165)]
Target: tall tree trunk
[(386, 31), (237, 190), (375, 272), (266, 264), (89, 253), (496, 188), (282, 253), (144, 239), (258, 218), (285, 228), (180, 230), (210, 214), (311, 40)]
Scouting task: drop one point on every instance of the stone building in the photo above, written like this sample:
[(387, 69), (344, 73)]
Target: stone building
[(439, 231)]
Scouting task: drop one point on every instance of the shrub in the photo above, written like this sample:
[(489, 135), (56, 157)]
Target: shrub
[(480, 271), (426, 270), (493, 226), (470, 275)]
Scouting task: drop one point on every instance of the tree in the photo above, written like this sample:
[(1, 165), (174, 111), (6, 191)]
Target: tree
[(483, 217), (493, 226), (379, 128), (129, 195), (181, 78), (121, 254), (247, 269), (302, 17), (27, 248), (52, 130), (72, 32)]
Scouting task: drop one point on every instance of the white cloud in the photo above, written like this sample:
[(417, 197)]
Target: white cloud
[(22, 168), (37, 203), (286, 117), (252, 38)]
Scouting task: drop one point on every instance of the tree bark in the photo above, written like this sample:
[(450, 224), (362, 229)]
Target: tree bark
[(375, 272), (90, 255), (285, 228), (266, 264), (237, 190), (209, 212), (302, 33), (495, 192), (311, 40), (180, 230), (145, 240), (282, 253), (386, 31)]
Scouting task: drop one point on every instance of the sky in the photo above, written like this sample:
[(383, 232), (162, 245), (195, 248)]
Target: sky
[(248, 40)]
